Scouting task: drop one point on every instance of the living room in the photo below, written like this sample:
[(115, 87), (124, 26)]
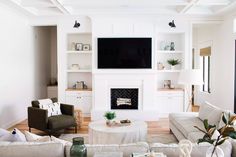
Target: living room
[(150, 64)]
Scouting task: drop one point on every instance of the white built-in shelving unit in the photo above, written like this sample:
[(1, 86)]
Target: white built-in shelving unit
[(82, 59), (162, 55)]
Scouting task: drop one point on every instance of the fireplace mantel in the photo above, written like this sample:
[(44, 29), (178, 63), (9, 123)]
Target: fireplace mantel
[(103, 83)]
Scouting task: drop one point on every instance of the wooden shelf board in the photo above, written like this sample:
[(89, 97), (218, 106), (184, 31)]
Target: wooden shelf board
[(79, 52), (169, 52), (73, 89), (175, 89), (169, 71), (80, 71)]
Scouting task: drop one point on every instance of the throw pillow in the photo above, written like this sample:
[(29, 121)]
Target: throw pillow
[(211, 113), (54, 139), (53, 108), (30, 137), (45, 101), (14, 136), (3, 132)]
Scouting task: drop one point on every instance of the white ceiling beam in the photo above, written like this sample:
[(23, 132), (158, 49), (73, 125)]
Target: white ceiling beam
[(124, 2), (30, 3), (60, 7), (230, 7), (213, 2), (188, 6)]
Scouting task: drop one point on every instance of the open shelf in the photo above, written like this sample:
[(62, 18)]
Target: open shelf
[(79, 52), (169, 52), (168, 71), (80, 71)]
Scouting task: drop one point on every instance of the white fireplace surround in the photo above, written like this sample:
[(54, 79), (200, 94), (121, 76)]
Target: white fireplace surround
[(103, 83)]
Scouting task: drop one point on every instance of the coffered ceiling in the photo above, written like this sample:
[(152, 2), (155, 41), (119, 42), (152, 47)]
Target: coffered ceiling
[(80, 7)]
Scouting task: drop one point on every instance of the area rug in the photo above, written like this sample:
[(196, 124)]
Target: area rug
[(152, 138)]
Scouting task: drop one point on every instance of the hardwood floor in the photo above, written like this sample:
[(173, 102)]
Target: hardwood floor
[(154, 127)]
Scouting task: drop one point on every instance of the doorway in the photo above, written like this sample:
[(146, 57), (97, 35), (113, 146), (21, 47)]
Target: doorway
[(45, 47)]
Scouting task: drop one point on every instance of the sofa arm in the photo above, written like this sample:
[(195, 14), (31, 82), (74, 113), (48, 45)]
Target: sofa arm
[(37, 118), (67, 109)]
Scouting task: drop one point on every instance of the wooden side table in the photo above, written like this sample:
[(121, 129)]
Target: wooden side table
[(78, 117)]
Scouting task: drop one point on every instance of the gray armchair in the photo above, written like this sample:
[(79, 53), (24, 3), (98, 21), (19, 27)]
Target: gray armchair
[(38, 118)]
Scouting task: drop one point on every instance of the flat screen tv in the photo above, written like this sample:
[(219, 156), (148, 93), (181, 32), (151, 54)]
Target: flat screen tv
[(124, 53)]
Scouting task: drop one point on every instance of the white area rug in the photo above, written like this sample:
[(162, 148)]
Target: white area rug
[(153, 138)]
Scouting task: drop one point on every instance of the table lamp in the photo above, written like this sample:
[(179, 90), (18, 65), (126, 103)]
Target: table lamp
[(190, 77)]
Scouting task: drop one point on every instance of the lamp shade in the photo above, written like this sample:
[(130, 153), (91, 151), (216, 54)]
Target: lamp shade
[(191, 77)]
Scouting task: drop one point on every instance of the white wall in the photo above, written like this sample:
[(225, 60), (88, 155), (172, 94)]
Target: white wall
[(222, 63), (17, 87), (53, 52), (42, 60), (225, 65)]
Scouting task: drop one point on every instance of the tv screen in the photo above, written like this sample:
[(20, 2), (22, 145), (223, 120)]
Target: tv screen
[(124, 53)]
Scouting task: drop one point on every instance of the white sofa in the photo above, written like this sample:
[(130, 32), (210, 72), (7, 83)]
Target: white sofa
[(55, 149), (182, 124), (31, 149)]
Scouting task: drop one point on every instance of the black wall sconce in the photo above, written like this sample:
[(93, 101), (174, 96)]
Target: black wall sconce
[(77, 24), (172, 24)]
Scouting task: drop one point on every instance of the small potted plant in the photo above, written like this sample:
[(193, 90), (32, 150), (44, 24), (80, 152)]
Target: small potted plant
[(109, 117), (173, 63)]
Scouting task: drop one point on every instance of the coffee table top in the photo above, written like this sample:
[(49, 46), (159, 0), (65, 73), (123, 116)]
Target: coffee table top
[(102, 127)]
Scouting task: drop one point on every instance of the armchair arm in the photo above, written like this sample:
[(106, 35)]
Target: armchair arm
[(67, 109), (37, 118)]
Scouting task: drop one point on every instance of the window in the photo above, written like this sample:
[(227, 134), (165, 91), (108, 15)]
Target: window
[(205, 54), (206, 73)]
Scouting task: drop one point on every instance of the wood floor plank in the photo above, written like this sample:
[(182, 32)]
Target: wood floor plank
[(154, 127)]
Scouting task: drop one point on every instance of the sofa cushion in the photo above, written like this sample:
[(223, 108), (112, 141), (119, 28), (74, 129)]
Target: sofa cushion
[(233, 142), (172, 150), (31, 149), (186, 122), (211, 113), (127, 149), (3, 132), (30, 137), (13, 136), (194, 136), (60, 121)]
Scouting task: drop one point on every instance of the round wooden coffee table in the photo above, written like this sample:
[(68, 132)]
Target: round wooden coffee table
[(100, 133)]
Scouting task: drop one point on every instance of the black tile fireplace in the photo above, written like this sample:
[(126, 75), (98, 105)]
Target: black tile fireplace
[(124, 98)]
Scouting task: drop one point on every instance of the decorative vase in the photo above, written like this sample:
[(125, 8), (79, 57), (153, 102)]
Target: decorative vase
[(78, 148), (172, 67), (217, 153)]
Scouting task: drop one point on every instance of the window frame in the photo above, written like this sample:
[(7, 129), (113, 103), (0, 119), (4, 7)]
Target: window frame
[(206, 89)]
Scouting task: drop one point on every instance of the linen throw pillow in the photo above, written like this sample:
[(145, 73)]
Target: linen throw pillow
[(211, 113), (30, 137), (14, 136), (53, 108), (3, 132)]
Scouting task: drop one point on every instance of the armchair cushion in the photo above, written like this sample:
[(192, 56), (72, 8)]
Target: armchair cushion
[(60, 122)]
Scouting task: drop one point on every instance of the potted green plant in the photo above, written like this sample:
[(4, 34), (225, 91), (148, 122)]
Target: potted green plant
[(109, 117), (217, 137), (173, 63)]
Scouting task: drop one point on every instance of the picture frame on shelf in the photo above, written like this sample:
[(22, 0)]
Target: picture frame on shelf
[(79, 47), (86, 47)]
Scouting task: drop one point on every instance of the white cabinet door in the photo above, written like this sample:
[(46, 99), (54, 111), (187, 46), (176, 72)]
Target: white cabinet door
[(81, 100), (169, 102)]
